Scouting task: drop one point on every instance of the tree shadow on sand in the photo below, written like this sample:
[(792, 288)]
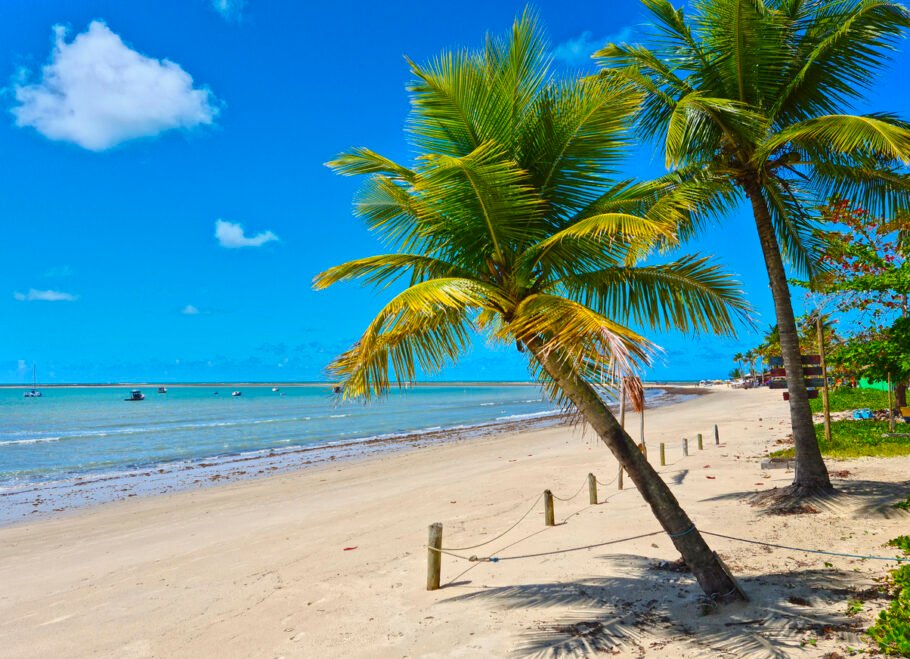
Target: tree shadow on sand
[(864, 498), (654, 604)]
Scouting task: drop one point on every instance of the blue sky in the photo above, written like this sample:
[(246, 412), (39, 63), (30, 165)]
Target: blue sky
[(169, 229)]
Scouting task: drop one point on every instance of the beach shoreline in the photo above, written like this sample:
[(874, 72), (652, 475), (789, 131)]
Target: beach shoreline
[(331, 560), (37, 500)]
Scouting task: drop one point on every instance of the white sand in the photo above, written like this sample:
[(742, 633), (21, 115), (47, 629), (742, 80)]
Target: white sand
[(259, 568)]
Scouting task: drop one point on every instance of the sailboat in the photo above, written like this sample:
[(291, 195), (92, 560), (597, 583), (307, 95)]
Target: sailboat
[(34, 393)]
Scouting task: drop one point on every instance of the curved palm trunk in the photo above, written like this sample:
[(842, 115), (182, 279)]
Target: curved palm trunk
[(704, 563), (811, 475)]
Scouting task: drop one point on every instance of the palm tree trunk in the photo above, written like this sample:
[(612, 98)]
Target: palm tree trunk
[(900, 394), (707, 568), (811, 474)]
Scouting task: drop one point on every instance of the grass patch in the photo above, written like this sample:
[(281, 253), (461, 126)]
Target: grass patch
[(904, 505), (857, 439), (845, 398), (891, 631)]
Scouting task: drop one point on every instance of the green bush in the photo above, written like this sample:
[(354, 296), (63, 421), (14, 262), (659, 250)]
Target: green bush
[(891, 631), (902, 542)]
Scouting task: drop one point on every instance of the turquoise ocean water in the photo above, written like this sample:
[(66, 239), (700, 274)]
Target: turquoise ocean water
[(78, 432)]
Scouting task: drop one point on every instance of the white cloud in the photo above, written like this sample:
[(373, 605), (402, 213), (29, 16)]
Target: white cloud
[(229, 9), (190, 310), (97, 92), (230, 234), (35, 295), (578, 51)]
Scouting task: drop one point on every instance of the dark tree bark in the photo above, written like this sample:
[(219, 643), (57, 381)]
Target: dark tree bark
[(900, 394), (704, 563), (811, 477)]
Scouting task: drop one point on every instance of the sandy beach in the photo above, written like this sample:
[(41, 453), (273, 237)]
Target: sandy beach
[(331, 560)]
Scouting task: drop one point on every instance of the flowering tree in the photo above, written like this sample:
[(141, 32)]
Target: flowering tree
[(868, 280)]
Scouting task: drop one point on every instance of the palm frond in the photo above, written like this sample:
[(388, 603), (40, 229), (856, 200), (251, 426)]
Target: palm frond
[(690, 294), (580, 335), (841, 45), (364, 161), (425, 326), (881, 135), (384, 269)]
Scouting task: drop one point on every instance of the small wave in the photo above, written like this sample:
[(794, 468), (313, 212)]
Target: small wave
[(530, 415), (487, 404), (337, 416), (36, 440)]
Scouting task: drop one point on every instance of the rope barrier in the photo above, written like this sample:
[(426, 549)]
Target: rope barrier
[(583, 486), (496, 559), (520, 520), (808, 551)]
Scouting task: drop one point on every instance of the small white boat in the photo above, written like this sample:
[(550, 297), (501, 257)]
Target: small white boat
[(236, 393), (135, 394), (274, 388), (162, 390)]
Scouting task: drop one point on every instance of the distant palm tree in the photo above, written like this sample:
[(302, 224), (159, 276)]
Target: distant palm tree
[(749, 98), (509, 223), (738, 358)]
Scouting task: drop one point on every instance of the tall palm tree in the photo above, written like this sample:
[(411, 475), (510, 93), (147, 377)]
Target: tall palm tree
[(509, 223), (749, 97), (738, 359)]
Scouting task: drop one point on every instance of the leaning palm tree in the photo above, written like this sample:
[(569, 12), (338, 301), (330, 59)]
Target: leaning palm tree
[(749, 98), (508, 223)]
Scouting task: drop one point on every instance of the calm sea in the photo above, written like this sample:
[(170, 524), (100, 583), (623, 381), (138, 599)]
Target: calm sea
[(76, 432)]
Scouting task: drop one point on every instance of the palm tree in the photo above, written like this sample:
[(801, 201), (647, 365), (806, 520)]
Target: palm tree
[(738, 359), (508, 223), (749, 97)]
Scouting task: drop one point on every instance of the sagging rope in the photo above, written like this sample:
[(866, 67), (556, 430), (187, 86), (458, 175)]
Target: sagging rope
[(520, 520), (584, 484), (691, 529)]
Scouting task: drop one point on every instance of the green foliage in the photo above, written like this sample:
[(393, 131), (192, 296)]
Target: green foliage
[(854, 607), (856, 439), (848, 398), (754, 95), (903, 505), (902, 542), (509, 222), (891, 631), (878, 356)]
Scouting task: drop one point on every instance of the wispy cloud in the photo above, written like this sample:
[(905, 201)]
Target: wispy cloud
[(578, 51), (229, 9), (231, 235), (34, 295), (97, 92), (190, 310)]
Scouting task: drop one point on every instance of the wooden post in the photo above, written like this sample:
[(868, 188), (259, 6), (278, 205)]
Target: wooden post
[(548, 513), (663, 455), (716, 436), (826, 406), (643, 449), (592, 490), (701, 445), (620, 478), (434, 557), (685, 447)]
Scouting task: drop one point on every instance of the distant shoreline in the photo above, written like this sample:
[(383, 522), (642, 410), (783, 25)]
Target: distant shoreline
[(416, 385)]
